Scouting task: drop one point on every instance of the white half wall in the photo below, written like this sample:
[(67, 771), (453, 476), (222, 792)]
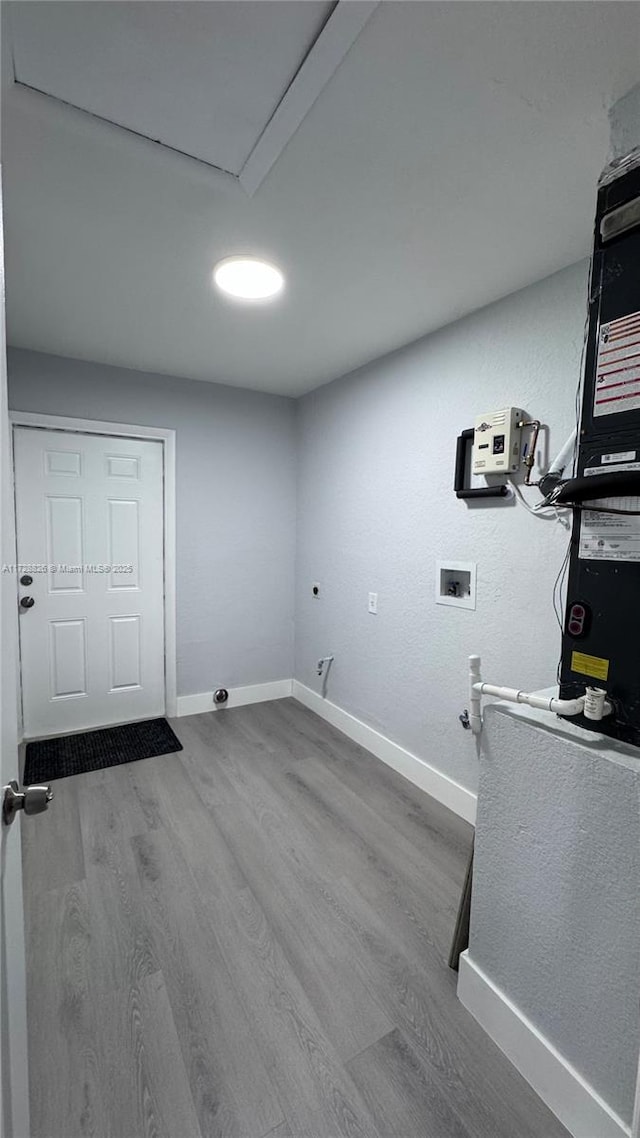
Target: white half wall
[(555, 912), (571, 1098)]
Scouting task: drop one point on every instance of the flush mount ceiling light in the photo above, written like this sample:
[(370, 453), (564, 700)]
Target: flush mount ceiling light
[(247, 278)]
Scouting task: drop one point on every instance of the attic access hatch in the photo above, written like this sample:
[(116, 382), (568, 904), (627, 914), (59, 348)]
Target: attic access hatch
[(225, 84)]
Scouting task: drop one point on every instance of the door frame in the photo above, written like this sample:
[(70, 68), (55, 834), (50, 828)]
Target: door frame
[(166, 436)]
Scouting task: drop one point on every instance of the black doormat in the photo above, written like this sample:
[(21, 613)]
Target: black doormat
[(48, 759)]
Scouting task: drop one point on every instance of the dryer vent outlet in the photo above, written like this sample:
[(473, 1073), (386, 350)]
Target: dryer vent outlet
[(220, 695)]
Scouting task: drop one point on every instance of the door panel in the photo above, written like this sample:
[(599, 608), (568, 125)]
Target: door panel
[(62, 462), (64, 542), (67, 658), (90, 534), (124, 535), (125, 652)]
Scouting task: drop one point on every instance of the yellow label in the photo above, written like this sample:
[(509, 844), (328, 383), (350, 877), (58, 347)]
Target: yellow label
[(589, 665)]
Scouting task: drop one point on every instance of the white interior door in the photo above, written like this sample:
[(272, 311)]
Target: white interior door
[(90, 535), (14, 1116)]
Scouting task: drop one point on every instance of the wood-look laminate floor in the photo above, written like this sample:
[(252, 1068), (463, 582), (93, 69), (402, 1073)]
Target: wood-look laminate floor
[(249, 938)]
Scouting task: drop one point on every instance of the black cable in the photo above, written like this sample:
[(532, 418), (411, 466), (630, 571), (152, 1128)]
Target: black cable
[(591, 489), (600, 509), (560, 579), (557, 603), (557, 587), (580, 384)]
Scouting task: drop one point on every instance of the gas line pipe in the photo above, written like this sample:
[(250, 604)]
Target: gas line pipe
[(593, 704)]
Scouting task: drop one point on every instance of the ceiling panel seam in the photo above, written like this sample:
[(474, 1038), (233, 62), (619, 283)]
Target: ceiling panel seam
[(337, 35)]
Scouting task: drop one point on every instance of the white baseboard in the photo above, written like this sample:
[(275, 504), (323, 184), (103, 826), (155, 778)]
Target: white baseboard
[(416, 770), (251, 693), (584, 1113)]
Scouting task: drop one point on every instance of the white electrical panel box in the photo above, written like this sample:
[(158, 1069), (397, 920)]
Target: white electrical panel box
[(497, 442)]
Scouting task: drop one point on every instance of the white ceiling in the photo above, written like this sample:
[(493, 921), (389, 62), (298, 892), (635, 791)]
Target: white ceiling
[(451, 159), (202, 78)]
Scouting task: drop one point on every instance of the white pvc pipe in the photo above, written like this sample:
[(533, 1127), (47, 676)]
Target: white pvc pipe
[(513, 695), (563, 456), (475, 717), (543, 702)]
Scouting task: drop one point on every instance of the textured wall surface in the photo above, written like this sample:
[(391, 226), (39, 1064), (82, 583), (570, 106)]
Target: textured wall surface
[(235, 471), (624, 118), (376, 510), (556, 912)]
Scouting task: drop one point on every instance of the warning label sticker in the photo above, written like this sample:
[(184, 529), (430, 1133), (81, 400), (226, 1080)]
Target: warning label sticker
[(617, 386), (594, 666), (610, 537)]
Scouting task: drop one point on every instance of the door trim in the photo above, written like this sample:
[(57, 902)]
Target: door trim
[(167, 436)]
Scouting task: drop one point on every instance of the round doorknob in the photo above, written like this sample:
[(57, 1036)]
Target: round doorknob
[(31, 799), (37, 799), (27, 602)]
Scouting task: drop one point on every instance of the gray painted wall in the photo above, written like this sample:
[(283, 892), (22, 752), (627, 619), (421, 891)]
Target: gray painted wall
[(555, 920), (624, 118), (376, 509), (235, 471)]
